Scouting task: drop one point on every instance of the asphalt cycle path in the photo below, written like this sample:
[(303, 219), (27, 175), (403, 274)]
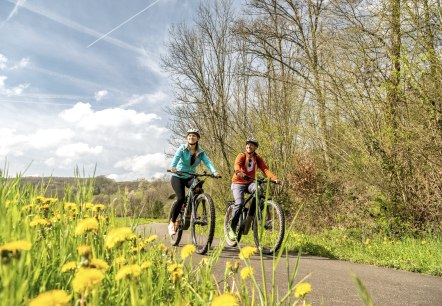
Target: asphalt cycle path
[(331, 280)]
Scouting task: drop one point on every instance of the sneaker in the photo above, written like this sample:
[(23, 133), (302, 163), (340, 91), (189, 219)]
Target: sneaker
[(268, 225), (171, 229), (231, 234)]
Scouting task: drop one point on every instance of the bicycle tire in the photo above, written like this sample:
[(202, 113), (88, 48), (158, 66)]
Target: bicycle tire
[(269, 236), (202, 223), (227, 220), (175, 239)]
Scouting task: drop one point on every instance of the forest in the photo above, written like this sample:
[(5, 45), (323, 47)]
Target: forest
[(344, 97)]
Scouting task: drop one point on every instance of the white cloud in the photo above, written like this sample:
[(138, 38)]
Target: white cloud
[(158, 97), (24, 62), (143, 163), (47, 138), (76, 150), (99, 95), (3, 61), (13, 91), (90, 120)]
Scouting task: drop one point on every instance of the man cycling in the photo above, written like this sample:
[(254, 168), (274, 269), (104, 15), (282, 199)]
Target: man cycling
[(245, 166)]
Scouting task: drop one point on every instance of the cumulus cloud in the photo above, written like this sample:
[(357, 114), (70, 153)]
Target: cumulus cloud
[(88, 119), (142, 162), (75, 150), (99, 95)]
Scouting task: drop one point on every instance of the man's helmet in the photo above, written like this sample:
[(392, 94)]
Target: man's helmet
[(253, 141), (194, 131)]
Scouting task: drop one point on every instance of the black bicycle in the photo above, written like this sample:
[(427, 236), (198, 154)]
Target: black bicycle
[(267, 222), (198, 213)]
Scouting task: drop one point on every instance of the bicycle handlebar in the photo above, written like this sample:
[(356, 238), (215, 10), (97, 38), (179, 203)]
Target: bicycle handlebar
[(194, 174), (259, 180)]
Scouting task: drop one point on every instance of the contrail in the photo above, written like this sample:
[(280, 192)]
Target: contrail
[(146, 8)]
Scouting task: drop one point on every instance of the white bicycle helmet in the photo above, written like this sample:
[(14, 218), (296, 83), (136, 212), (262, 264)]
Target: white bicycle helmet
[(252, 141), (193, 131)]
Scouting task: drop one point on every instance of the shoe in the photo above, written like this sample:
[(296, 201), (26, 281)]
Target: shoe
[(171, 229), (268, 225), (231, 234)]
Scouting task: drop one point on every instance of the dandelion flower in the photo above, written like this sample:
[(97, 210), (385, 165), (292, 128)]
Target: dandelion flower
[(187, 251), (229, 265), (84, 251), (27, 207), (117, 236), (128, 272), (247, 272), (163, 248), (87, 278), (302, 289), (98, 207), (39, 221), (177, 275), (120, 260), (69, 266), (146, 265), (247, 252), (87, 206), (174, 267), (236, 266), (52, 298), (15, 247), (151, 238), (226, 299), (99, 264), (86, 225), (204, 261)]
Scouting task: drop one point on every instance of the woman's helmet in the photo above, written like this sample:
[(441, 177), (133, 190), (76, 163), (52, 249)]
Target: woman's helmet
[(252, 141), (194, 131)]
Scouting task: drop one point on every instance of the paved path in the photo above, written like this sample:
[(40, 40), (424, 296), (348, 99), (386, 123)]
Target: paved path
[(332, 280)]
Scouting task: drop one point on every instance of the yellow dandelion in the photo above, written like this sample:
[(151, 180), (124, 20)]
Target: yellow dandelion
[(367, 241), (174, 267), (43, 207), (117, 236), (70, 206), (86, 225), (99, 264), (39, 221), (87, 206), (247, 252), (163, 248), (7, 203), (246, 272), (128, 272), (69, 266), (15, 247), (146, 265), (229, 265), (120, 260), (27, 207), (177, 275), (151, 238), (87, 279), (226, 299), (51, 298), (236, 266), (302, 289), (98, 207), (187, 251), (84, 251)]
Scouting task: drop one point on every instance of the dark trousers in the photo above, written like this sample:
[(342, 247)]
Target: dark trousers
[(179, 186)]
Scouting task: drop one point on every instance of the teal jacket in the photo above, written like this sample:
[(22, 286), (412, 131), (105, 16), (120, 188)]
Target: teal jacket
[(181, 161)]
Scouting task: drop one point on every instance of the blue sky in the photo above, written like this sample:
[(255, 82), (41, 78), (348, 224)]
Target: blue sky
[(81, 85)]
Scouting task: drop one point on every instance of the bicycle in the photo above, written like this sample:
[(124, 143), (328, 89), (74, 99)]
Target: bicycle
[(198, 213), (267, 222)]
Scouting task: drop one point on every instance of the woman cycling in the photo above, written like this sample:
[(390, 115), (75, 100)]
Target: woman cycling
[(187, 158)]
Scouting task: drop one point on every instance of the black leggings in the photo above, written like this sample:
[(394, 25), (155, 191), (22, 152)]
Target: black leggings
[(178, 185)]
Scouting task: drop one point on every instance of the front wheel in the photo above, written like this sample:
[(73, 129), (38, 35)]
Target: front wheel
[(202, 224), (268, 230)]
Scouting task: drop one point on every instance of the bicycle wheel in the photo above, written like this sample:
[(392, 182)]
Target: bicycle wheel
[(227, 221), (175, 239), (268, 230), (202, 223)]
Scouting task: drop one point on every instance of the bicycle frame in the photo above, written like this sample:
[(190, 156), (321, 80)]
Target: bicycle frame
[(188, 204), (250, 205)]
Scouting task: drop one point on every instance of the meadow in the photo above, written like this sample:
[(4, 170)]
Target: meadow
[(74, 252)]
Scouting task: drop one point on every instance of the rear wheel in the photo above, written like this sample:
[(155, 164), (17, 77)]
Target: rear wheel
[(175, 239), (268, 230), (227, 221), (202, 224)]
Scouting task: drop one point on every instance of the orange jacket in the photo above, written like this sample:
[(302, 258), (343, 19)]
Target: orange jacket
[(241, 163)]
